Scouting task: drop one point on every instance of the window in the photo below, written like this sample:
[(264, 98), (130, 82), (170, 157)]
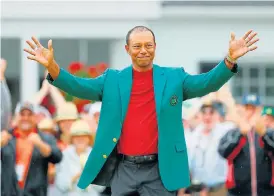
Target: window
[(255, 78), (251, 78)]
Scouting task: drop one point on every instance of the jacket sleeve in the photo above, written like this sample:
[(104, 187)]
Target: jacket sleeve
[(84, 88), (231, 144), (205, 83), (267, 141), (56, 154)]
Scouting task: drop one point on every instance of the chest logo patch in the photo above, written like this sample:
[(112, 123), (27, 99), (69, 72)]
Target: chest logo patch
[(173, 100)]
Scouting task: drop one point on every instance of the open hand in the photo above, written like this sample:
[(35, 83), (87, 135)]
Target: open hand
[(40, 54), (239, 47)]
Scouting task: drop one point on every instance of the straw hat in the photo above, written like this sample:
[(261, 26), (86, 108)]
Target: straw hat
[(46, 123), (81, 128), (66, 111)]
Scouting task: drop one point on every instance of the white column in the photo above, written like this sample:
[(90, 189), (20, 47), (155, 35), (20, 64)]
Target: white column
[(119, 58), (29, 74)]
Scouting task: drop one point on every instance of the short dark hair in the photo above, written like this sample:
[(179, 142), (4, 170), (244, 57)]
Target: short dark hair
[(138, 29)]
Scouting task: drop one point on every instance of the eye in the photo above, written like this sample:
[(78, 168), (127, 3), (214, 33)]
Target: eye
[(136, 46)]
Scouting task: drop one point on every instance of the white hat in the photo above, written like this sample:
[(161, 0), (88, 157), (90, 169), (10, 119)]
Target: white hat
[(41, 109), (80, 127), (94, 108), (66, 111), (190, 108)]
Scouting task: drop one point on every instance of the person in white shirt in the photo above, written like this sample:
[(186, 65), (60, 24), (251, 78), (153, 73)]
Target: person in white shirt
[(206, 165), (74, 159)]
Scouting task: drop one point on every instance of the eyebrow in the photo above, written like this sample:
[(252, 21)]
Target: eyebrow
[(138, 43)]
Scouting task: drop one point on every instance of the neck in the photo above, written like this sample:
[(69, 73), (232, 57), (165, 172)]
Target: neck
[(79, 151), (23, 133), (142, 69), (65, 138)]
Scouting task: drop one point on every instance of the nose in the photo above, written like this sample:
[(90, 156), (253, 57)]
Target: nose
[(143, 50)]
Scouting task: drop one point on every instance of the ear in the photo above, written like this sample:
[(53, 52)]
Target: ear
[(127, 48)]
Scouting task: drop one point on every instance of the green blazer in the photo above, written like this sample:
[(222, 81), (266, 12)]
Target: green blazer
[(171, 87)]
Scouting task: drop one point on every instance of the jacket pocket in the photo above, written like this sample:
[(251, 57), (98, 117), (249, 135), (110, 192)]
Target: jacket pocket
[(180, 147)]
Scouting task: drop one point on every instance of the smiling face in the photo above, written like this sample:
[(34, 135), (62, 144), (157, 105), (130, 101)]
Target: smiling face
[(141, 48), (26, 120)]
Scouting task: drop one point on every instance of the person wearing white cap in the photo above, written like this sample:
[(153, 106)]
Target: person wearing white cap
[(66, 114), (95, 110), (74, 159)]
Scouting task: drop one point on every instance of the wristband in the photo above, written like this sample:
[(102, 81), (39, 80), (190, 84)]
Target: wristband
[(229, 59)]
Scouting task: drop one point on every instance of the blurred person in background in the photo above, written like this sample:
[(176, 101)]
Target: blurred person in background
[(47, 126), (94, 112), (249, 152), (251, 103), (207, 167), (221, 111), (47, 94), (41, 113), (140, 127), (268, 115), (32, 151), (66, 114), (6, 105), (191, 114), (75, 157)]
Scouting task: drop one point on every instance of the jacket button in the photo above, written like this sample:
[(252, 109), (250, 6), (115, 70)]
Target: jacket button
[(104, 156), (114, 140)]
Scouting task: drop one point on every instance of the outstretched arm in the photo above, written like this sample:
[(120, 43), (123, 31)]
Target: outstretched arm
[(91, 89), (202, 84)]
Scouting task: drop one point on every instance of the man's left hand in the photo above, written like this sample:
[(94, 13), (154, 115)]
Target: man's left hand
[(44, 148), (35, 139), (239, 47)]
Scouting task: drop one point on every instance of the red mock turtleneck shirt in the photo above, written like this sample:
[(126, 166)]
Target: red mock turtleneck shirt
[(140, 130)]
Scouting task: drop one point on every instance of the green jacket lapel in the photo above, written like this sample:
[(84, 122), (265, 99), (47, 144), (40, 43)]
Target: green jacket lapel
[(159, 80), (125, 85)]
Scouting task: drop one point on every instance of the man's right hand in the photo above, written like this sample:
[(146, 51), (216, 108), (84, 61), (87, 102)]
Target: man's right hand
[(44, 56)]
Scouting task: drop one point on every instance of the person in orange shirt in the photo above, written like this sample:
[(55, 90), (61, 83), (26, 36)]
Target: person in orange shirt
[(32, 150)]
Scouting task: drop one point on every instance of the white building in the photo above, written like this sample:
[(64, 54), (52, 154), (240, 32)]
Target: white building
[(187, 34)]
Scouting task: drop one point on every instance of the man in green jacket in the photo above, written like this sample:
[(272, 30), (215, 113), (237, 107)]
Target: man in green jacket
[(140, 144)]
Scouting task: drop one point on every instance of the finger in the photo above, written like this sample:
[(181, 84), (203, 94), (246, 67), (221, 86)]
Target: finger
[(32, 58), (247, 34), (29, 51), (252, 48), (36, 41), (232, 35), (251, 36), (252, 42), (50, 45), (31, 44)]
